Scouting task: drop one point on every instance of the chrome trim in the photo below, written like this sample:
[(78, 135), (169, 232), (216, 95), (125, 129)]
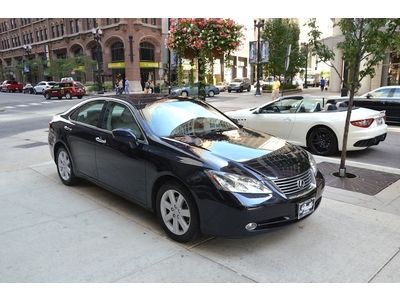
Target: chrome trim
[(296, 186)]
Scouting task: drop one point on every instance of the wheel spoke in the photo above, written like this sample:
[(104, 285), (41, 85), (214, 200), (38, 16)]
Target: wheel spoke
[(171, 197), (183, 224), (168, 216), (185, 213), (180, 201), (175, 227)]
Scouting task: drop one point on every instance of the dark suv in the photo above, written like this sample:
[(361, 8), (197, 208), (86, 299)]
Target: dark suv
[(239, 85), (68, 89)]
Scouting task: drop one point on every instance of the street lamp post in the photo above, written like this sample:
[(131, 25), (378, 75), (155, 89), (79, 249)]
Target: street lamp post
[(305, 70), (97, 33), (28, 51), (258, 25)]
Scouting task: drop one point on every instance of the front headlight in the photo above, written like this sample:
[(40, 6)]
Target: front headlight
[(237, 183), (313, 163)]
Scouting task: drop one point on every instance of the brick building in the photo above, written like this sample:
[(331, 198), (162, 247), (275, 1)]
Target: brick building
[(130, 47)]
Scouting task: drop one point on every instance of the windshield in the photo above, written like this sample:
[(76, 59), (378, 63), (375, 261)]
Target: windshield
[(178, 118)]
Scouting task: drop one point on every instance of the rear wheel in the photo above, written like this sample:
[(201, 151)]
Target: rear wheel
[(47, 96), (249, 88), (177, 212), (184, 94), (211, 94), (34, 91), (322, 141), (79, 97), (64, 167), (59, 97)]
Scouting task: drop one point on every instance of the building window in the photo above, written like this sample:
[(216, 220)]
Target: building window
[(57, 30), (53, 32), (116, 20), (117, 52), (145, 21), (62, 29), (153, 21), (45, 34), (108, 21), (146, 51), (76, 25), (71, 26), (31, 35)]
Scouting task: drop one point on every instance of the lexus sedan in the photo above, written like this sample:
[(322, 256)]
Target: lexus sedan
[(186, 161)]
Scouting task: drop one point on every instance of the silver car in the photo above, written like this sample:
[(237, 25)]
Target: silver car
[(42, 86), (193, 90)]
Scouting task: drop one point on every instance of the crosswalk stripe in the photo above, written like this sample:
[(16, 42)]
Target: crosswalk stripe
[(34, 103), (21, 105), (9, 107)]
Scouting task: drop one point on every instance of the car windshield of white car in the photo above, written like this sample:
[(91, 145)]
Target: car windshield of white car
[(178, 118)]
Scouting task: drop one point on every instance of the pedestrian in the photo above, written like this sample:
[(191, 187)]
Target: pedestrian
[(147, 87), (275, 88), (151, 87), (116, 86), (120, 86), (322, 84), (126, 86), (157, 89)]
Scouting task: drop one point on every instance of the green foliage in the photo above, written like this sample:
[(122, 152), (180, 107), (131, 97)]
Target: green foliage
[(280, 33), (62, 67)]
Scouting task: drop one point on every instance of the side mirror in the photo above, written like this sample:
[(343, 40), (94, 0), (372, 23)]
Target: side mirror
[(369, 96), (125, 136), (257, 111)]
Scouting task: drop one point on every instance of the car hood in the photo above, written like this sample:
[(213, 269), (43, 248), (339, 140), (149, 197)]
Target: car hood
[(244, 151)]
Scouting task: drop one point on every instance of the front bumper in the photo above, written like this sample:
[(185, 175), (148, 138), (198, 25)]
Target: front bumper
[(235, 88), (219, 218)]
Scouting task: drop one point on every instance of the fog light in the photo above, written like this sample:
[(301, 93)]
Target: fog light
[(251, 226)]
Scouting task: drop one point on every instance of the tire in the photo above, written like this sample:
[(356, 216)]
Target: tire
[(241, 89), (47, 96), (59, 97), (184, 94), (211, 93), (177, 212), (64, 167), (322, 141), (34, 91), (79, 97), (68, 96), (249, 88), (229, 91)]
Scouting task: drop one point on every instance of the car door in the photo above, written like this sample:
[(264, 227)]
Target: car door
[(82, 136), (54, 91), (375, 99), (392, 106), (276, 118), (119, 166)]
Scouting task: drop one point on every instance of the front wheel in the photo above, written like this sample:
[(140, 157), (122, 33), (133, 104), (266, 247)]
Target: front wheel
[(47, 96), (211, 94), (177, 212), (322, 141), (64, 167), (184, 94), (68, 96), (79, 97)]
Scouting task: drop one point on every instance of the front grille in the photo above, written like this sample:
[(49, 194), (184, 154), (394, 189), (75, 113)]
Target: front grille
[(295, 185)]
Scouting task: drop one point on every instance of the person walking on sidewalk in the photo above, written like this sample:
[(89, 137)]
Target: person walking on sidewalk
[(275, 88), (322, 84)]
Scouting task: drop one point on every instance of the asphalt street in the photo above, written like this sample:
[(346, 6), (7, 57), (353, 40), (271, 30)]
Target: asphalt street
[(24, 112)]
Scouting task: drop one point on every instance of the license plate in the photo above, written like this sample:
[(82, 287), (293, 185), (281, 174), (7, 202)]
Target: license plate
[(305, 208)]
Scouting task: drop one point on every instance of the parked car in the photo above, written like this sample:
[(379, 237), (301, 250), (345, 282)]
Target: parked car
[(239, 85), (28, 89), (307, 122), (385, 98), (42, 86), (67, 89), (188, 162), (193, 90), (222, 86), (265, 82), (11, 86)]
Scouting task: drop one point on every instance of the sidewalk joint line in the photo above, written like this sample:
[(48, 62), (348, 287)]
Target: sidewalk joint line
[(390, 259)]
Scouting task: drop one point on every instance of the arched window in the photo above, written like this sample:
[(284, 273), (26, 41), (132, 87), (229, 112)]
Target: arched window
[(146, 51), (78, 51), (117, 52)]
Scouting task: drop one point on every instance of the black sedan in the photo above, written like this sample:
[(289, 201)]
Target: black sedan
[(385, 98), (188, 162)]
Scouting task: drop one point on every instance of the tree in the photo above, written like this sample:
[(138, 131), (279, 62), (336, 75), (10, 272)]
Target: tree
[(204, 39), (62, 67), (280, 33), (365, 44)]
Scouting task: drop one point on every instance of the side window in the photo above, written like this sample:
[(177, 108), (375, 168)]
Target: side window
[(119, 116), (89, 113), (381, 93), (396, 93)]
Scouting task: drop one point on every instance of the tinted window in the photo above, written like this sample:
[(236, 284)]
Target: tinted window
[(173, 118), (88, 113), (396, 93), (119, 116), (380, 93)]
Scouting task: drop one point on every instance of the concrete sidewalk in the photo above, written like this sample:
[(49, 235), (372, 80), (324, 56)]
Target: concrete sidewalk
[(53, 233)]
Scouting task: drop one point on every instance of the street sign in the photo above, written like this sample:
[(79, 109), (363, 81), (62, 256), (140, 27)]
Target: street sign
[(253, 52), (264, 45), (289, 50)]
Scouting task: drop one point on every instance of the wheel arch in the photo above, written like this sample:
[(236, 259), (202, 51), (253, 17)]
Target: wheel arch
[(160, 181), (323, 126)]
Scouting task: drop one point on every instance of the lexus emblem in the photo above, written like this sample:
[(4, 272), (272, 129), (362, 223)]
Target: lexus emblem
[(300, 183)]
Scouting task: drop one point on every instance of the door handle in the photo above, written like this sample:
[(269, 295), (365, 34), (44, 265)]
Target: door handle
[(100, 140), (67, 128)]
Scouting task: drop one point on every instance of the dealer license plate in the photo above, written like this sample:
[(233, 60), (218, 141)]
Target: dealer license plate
[(305, 208)]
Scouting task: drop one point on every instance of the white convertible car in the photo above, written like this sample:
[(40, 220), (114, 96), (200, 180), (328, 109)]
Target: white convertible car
[(310, 122)]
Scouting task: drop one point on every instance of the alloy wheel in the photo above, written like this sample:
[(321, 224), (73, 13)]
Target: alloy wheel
[(175, 212), (64, 165)]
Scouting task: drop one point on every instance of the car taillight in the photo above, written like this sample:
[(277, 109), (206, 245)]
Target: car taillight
[(363, 123)]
